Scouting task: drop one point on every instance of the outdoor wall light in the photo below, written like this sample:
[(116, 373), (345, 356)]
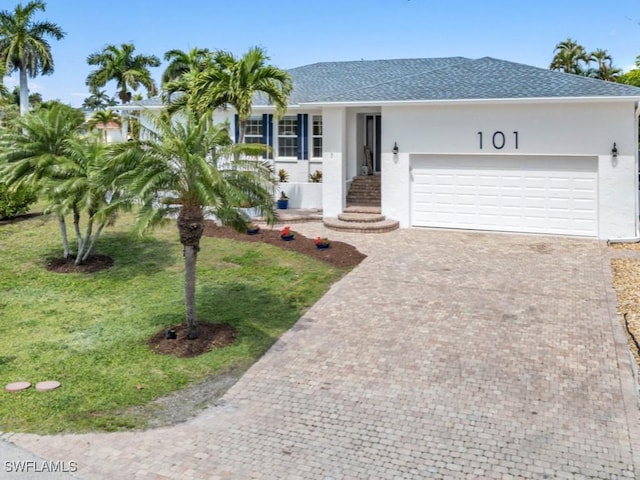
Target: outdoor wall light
[(395, 148), (614, 151)]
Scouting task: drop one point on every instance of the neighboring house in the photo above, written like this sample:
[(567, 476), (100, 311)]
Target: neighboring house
[(112, 132), (459, 143)]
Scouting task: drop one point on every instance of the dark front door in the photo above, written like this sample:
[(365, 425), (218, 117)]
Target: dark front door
[(373, 133)]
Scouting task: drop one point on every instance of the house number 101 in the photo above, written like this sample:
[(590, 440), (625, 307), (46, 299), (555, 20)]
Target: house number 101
[(498, 140)]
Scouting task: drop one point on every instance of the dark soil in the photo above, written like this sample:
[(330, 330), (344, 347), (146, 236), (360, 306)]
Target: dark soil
[(339, 254), (210, 336), (93, 263), (19, 218)]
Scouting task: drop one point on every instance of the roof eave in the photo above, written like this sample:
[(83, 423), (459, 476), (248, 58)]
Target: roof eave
[(484, 101)]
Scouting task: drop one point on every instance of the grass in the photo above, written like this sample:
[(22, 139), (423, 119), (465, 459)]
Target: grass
[(89, 331)]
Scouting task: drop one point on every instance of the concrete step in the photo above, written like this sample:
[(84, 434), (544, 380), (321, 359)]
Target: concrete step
[(362, 209), (361, 227), (361, 217), (363, 203)]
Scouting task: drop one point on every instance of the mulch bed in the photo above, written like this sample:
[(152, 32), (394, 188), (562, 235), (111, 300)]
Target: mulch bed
[(210, 336), (93, 263), (339, 254)]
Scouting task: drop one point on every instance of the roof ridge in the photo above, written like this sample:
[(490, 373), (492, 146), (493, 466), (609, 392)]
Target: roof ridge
[(395, 79)]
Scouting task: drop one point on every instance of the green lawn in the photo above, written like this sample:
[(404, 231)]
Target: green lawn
[(89, 331)]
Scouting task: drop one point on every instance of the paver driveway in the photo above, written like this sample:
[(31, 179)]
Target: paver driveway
[(444, 355)]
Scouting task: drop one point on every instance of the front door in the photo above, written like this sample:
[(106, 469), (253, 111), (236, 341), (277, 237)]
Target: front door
[(373, 133)]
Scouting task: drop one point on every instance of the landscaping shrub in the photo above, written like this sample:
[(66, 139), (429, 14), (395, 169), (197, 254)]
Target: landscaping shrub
[(15, 203)]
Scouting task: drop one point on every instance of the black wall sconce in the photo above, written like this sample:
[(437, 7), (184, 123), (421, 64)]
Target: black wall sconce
[(395, 148), (614, 151)]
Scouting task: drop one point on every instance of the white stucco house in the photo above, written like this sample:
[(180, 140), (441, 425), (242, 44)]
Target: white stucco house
[(462, 143)]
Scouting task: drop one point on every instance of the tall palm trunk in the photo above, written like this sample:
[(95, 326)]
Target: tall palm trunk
[(190, 228), (242, 123), (24, 92)]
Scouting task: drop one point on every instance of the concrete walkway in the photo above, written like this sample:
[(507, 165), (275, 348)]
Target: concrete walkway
[(445, 355)]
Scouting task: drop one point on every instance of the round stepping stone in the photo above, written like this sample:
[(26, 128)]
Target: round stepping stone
[(47, 386), (17, 386)]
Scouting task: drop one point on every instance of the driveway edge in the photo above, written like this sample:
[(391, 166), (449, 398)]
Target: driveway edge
[(626, 362)]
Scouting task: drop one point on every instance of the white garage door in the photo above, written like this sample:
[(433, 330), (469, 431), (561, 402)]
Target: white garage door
[(517, 194)]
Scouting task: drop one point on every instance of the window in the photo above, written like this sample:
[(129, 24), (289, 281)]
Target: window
[(288, 137), (253, 130), (316, 135)]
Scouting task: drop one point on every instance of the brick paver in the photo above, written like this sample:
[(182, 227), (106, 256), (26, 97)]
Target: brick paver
[(444, 355)]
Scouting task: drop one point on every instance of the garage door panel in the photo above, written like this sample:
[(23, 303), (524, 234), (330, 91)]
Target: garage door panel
[(524, 194)]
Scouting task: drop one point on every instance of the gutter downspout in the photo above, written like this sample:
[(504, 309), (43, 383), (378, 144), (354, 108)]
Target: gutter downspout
[(635, 239)]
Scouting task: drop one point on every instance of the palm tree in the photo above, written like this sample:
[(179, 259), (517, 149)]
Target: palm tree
[(605, 69), (235, 81), (23, 45), (182, 69), (569, 57), (47, 153), (181, 62), (98, 100), (195, 162), (102, 119), (129, 71)]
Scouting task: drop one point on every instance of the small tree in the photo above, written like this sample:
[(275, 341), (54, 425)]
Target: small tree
[(46, 152), (195, 162)]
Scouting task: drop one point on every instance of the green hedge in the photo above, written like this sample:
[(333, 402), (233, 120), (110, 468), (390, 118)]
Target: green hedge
[(15, 203)]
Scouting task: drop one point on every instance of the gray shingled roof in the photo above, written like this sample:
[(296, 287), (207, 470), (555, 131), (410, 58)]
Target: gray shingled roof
[(424, 79), (440, 79)]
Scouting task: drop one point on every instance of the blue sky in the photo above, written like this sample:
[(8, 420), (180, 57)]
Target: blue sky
[(298, 32)]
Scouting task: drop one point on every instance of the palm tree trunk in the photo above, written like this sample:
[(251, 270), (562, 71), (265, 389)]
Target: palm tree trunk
[(76, 227), (93, 240), (190, 257), (24, 92), (85, 241), (65, 238), (190, 228), (242, 123)]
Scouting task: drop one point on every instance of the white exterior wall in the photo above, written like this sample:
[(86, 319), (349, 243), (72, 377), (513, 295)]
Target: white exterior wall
[(554, 129), (334, 161)]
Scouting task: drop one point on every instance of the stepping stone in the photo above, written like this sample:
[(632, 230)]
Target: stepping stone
[(47, 385), (17, 386)]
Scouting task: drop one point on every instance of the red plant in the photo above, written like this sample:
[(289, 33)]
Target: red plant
[(286, 231), (321, 241)]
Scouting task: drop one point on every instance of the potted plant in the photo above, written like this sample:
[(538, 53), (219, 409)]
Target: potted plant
[(283, 201), (316, 177), (283, 175), (252, 228), (322, 242), (286, 234)]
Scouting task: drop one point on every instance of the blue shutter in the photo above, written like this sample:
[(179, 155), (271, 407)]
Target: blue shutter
[(265, 133), (270, 133), (236, 127), (300, 136), (305, 135)]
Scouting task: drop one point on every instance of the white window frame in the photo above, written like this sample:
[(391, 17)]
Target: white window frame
[(280, 135), (253, 121), (313, 136)]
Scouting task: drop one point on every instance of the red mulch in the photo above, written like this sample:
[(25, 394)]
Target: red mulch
[(210, 336), (339, 254)]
